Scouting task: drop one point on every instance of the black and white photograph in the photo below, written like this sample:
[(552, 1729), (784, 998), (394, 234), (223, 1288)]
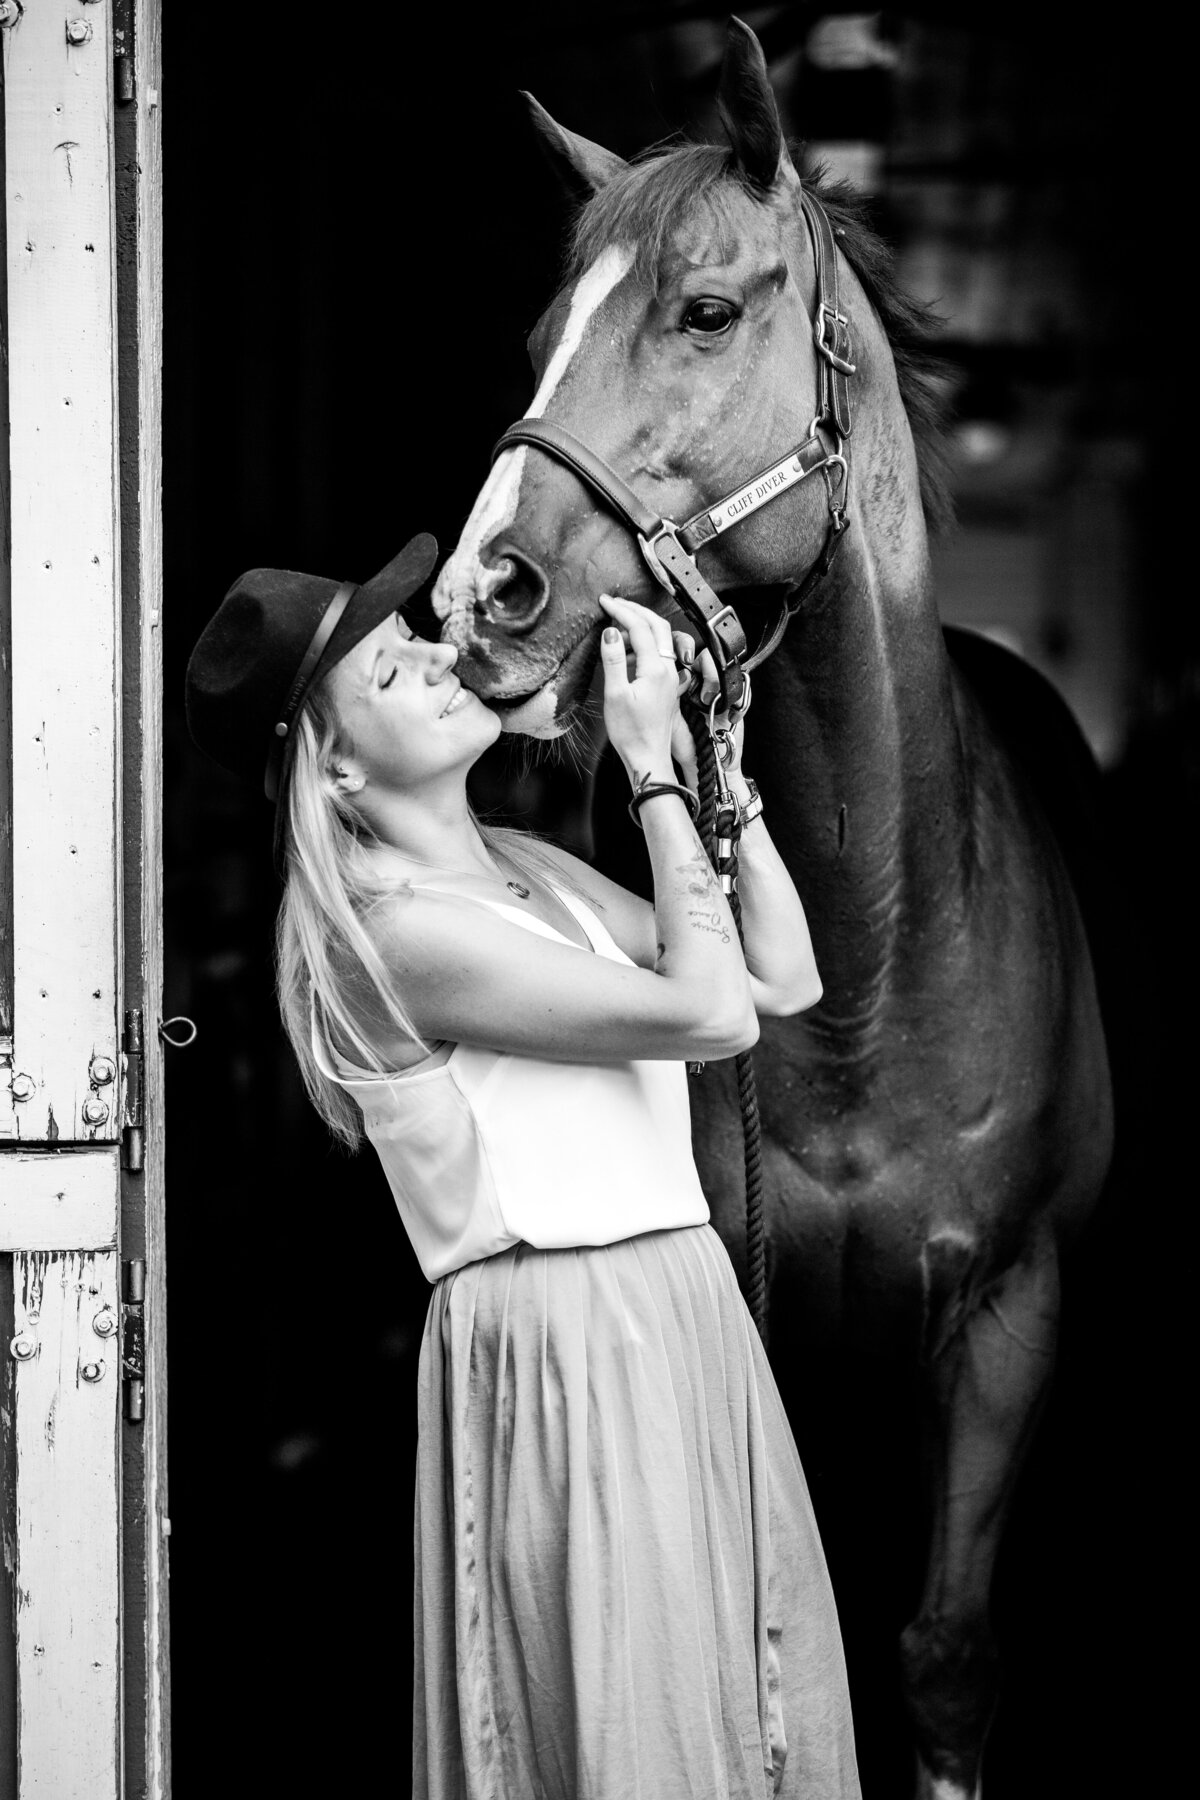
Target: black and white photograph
[(599, 754)]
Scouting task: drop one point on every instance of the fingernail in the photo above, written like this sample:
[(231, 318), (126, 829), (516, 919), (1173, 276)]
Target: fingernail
[(611, 635)]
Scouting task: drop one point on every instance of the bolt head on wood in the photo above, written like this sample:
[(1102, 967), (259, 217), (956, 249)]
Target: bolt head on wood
[(22, 1087), (9, 13), (23, 1346), (92, 1371), (105, 1322), (78, 31), (101, 1071), (95, 1110)]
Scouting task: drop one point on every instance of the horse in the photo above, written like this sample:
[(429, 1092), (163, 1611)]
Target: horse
[(938, 1128)]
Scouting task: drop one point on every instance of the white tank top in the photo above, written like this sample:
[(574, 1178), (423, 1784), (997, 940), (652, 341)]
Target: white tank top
[(484, 1149)]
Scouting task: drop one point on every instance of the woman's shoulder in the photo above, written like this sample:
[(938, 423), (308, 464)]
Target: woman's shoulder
[(411, 914)]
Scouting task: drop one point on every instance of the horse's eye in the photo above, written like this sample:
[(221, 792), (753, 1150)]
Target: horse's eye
[(709, 317)]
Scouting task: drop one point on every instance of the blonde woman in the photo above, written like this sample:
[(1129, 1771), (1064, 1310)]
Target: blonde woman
[(620, 1590)]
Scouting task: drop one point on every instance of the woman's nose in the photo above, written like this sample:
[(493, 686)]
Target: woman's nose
[(442, 659)]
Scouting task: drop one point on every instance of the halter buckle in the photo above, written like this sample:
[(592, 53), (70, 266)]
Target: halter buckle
[(829, 318), (667, 528)]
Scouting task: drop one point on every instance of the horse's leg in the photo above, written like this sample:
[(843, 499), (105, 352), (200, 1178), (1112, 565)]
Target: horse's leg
[(989, 1376)]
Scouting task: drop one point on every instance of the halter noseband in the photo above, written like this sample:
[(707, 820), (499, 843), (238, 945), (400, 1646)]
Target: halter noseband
[(669, 549)]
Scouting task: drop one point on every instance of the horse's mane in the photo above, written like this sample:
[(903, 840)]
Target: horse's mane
[(649, 199)]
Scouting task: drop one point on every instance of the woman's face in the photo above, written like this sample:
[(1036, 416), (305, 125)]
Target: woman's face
[(404, 711)]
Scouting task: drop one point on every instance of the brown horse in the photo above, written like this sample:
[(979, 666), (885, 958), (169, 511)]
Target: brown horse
[(940, 1125)]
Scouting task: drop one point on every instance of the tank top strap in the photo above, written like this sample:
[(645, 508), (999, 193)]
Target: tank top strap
[(585, 919), (590, 923)]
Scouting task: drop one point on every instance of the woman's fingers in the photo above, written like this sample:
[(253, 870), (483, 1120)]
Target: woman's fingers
[(706, 669), (685, 651), (612, 657), (649, 635)]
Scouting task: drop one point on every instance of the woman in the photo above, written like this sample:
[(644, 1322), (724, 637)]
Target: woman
[(620, 1589)]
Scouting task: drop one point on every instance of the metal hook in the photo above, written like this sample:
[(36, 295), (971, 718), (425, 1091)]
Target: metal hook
[(723, 744), (189, 1031), (736, 713)]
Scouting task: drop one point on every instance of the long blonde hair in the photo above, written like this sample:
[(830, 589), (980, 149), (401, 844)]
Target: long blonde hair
[(323, 947)]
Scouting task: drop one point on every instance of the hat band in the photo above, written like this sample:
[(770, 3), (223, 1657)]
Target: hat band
[(300, 686)]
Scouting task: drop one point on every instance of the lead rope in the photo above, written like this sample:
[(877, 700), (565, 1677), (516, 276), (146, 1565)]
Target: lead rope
[(719, 826)]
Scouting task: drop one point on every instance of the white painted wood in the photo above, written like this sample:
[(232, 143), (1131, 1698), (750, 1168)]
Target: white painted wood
[(59, 1200), (68, 1573), (147, 36), (62, 379)]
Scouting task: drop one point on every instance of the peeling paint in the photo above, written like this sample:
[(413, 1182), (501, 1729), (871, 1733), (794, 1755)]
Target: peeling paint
[(67, 145)]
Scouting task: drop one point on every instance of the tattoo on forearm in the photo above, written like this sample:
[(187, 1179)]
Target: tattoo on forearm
[(698, 875), (710, 922), (700, 883)]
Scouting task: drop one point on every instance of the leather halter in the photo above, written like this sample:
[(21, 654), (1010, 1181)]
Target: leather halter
[(670, 549)]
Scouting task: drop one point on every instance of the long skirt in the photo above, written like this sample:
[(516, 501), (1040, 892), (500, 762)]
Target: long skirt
[(621, 1594)]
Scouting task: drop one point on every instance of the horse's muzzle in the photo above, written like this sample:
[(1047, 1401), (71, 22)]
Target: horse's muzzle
[(511, 591)]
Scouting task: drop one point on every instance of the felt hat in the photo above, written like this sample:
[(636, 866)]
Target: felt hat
[(273, 635)]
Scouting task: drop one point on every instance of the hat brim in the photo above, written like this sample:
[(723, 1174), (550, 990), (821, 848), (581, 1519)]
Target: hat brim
[(370, 604), (377, 599)]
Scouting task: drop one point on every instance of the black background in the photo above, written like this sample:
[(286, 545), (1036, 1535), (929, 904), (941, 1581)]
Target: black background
[(360, 235)]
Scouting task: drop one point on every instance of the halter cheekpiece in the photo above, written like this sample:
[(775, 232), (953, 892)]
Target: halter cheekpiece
[(670, 549)]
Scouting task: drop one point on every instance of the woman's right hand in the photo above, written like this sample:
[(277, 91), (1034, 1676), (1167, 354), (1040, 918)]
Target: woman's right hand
[(639, 713)]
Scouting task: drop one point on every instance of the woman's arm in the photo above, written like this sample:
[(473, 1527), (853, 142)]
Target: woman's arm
[(779, 953), (469, 976)]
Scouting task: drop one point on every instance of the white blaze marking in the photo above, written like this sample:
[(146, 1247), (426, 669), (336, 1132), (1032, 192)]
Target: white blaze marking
[(942, 1789), (497, 504)]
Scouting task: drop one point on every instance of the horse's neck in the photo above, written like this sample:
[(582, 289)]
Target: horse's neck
[(855, 727)]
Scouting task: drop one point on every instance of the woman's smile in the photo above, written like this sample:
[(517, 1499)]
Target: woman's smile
[(457, 699)]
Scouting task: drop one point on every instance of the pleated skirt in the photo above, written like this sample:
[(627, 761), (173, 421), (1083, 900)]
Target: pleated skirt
[(620, 1593)]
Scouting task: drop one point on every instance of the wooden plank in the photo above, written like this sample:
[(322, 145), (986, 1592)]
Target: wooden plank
[(8, 1555), (67, 1564), (59, 1200), (139, 332), (8, 1122), (60, 264)]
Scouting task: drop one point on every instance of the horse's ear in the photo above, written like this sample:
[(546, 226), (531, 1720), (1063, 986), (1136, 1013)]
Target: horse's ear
[(581, 166), (748, 110)]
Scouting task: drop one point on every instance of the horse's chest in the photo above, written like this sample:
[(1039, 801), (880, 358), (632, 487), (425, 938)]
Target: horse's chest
[(861, 1177)]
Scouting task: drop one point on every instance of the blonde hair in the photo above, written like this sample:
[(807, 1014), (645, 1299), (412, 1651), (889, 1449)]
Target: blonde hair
[(323, 946)]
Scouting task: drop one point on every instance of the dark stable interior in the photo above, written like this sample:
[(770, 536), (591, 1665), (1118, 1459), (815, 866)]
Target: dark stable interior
[(361, 233)]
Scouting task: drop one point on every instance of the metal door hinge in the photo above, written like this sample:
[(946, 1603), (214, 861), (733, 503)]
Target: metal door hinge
[(124, 84), (8, 1122), (133, 1339), (133, 1114)]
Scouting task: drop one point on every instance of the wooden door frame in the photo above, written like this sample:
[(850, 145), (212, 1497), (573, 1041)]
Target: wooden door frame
[(137, 30), (83, 1195)]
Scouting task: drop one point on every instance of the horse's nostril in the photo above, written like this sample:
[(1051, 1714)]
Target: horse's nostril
[(513, 592)]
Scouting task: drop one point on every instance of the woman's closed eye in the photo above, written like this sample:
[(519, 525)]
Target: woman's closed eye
[(390, 678)]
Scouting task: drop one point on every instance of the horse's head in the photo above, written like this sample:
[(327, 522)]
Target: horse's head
[(680, 349)]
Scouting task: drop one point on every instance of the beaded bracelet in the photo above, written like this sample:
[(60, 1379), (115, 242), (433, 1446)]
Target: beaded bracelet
[(646, 790)]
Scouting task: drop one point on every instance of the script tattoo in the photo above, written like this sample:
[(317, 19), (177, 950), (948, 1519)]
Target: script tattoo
[(700, 883)]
